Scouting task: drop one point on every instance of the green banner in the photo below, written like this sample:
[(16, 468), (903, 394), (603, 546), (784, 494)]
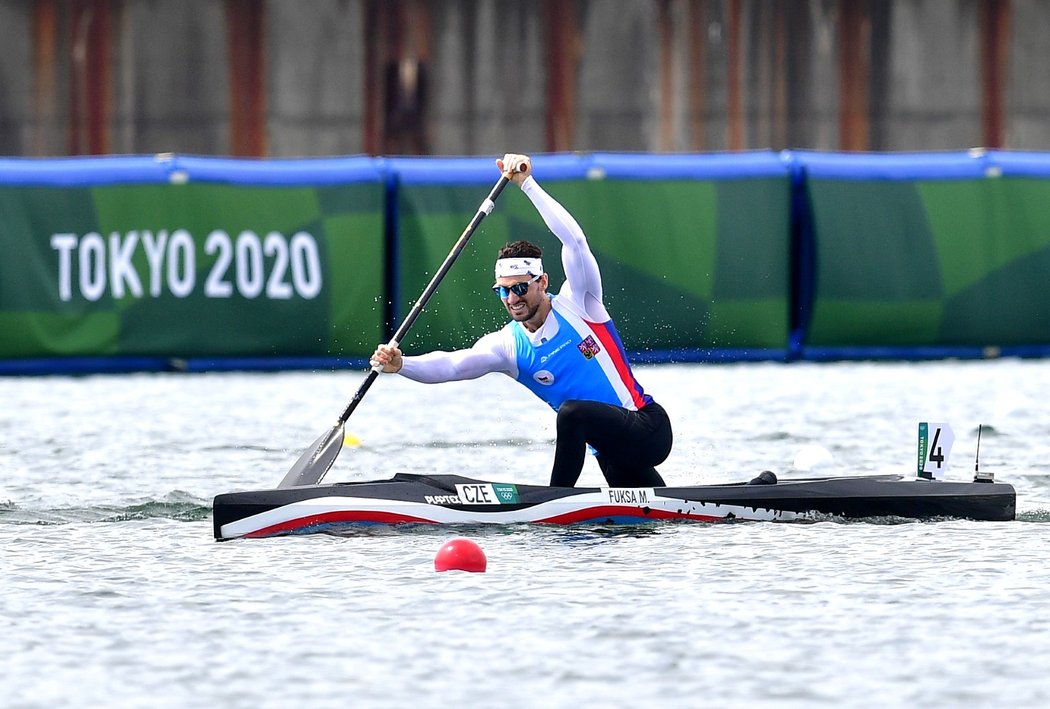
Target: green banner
[(931, 262), (685, 263), (191, 270), (179, 257)]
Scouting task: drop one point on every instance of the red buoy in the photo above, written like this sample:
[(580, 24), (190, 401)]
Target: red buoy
[(460, 555)]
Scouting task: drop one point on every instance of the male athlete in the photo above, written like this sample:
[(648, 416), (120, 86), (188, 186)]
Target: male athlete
[(565, 349)]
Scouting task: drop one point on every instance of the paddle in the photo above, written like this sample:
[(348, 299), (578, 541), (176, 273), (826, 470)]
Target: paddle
[(315, 461)]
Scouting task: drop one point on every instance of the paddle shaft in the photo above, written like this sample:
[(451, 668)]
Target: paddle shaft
[(483, 211)]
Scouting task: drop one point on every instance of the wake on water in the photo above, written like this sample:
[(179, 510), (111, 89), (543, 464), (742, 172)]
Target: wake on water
[(176, 505)]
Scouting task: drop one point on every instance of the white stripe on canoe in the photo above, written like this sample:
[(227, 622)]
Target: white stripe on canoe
[(438, 514)]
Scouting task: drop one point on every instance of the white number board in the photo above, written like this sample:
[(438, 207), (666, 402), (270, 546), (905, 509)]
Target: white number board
[(935, 445)]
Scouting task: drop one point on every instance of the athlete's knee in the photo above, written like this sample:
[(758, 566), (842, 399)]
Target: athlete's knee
[(572, 413), (650, 478)]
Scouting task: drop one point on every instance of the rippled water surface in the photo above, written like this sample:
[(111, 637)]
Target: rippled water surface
[(115, 593)]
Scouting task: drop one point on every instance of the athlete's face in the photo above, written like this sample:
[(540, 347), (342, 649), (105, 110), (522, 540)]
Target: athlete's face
[(522, 296)]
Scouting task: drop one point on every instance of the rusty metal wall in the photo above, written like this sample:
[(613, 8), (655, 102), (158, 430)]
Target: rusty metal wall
[(451, 77), (16, 80)]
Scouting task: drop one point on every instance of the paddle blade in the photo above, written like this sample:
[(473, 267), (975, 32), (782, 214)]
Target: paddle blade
[(316, 460)]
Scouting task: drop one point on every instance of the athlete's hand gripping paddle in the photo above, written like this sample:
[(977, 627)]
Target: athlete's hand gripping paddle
[(316, 460)]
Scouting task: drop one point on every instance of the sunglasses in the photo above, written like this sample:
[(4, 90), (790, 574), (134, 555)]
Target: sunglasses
[(518, 289)]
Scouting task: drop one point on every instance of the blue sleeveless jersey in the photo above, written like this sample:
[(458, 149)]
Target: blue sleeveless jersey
[(584, 360)]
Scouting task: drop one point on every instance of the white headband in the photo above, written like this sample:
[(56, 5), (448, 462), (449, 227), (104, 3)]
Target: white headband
[(506, 267)]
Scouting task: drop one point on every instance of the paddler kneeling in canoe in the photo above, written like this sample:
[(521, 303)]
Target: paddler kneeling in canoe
[(565, 349)]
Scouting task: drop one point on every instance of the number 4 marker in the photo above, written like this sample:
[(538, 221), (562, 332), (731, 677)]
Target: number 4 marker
[(935, 445)]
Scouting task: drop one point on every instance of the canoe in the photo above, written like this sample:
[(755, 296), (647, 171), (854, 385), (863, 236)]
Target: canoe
[(452, 499)]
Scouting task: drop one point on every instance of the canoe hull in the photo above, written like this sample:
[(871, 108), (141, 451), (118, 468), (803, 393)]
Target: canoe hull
[(452, 499)]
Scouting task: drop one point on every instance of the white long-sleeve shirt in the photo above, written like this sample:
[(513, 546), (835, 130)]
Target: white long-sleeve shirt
[(545, 361)]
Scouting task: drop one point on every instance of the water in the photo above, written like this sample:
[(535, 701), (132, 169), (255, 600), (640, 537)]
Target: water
[(115, 593)]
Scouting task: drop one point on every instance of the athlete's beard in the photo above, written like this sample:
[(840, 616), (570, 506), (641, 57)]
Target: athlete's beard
[(528, 314)]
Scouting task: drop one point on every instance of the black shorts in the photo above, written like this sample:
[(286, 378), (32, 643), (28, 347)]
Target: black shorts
[(630, 444)]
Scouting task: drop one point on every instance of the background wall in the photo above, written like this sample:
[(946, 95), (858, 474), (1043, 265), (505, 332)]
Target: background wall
[(461, 77)]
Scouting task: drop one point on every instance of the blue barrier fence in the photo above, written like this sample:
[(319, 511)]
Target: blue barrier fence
[(833, 196)]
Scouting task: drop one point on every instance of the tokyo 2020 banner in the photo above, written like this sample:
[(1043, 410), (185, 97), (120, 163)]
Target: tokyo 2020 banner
[(192, 269), (760, 255)]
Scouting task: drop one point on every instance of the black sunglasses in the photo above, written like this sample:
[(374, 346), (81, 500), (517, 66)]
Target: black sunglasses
[(518, 289)]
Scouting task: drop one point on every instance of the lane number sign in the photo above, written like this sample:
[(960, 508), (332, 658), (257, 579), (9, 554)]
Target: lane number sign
[(935, 445)]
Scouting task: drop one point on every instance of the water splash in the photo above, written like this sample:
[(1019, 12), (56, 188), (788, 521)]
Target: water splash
[(812, 458)]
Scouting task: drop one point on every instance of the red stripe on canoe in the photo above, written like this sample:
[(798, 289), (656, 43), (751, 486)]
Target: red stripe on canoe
[(588, 514), (337, 517)]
